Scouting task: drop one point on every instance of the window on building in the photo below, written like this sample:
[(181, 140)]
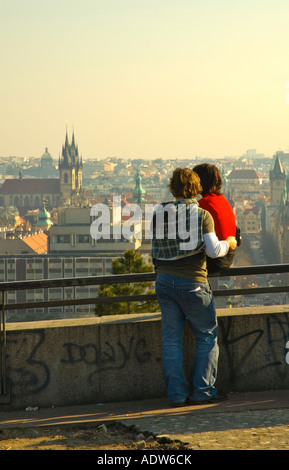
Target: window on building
[(83, 238), (62, 238)]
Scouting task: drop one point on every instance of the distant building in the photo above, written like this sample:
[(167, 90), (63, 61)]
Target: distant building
[(249, 220), (277, 177), (72, 235), (29, 193), (239, 178), (47, 165), (70, 167), (27, 244), (277, 211), (28, 267)]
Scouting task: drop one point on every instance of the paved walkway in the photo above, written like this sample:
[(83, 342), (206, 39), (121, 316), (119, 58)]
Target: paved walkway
[(258, 420)]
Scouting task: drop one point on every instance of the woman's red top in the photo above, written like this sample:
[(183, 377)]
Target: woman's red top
[(222, 213)]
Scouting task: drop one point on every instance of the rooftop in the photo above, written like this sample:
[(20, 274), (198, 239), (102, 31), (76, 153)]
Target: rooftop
[(244, 174), (30, 185)]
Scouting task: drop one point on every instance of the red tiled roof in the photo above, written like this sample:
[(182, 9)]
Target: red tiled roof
[(31, 185), (38, 242)]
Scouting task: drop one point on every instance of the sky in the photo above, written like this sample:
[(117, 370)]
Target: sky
[(144, 78)]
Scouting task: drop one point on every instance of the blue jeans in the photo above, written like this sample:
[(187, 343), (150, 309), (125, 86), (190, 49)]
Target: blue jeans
[(182, 299)]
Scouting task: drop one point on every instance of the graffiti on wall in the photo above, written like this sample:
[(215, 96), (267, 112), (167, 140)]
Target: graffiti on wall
[(247, 361), (35, 375), (111, 357), (35, 372)]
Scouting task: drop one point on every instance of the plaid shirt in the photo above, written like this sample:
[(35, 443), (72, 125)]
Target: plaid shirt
[(177, 229)]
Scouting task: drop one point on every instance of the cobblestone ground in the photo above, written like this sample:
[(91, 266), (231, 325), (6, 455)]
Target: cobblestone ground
[(247, 430), (249, 421), (270, 438)]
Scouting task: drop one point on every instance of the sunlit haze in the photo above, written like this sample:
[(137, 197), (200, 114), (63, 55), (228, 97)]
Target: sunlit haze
[(144, 78)]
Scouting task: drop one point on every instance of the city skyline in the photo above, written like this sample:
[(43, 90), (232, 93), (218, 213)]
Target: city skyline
[(154, 79)]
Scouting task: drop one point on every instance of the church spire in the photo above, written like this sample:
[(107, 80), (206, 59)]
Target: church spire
[(66, 138), (73, 140), (70, 168), (138, 192), (278, 167), (278, 172)]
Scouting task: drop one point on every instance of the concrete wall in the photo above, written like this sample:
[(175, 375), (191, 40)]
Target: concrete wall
[(63, 362)]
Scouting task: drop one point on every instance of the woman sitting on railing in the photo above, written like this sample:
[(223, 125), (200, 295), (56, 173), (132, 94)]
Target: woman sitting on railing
[(220, 209)]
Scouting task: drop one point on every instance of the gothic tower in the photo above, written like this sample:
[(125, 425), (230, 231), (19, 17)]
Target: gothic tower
[(278, 195), (277, 183), (70, 168)]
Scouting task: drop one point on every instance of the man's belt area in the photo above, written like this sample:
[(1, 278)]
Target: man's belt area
[(180, 261)]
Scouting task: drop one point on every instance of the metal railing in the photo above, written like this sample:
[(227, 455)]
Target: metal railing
[(114, 279)]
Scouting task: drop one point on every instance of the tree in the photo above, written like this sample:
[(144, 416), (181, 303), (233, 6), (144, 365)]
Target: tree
[(131, 262)]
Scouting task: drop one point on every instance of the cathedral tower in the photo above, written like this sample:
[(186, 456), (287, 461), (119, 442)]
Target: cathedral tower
[(70, 168), (277, 183)]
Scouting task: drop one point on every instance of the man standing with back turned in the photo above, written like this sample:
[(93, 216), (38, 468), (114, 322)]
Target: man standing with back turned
[(183, 234)]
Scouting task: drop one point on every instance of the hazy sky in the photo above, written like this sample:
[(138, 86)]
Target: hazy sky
[(144, 78)]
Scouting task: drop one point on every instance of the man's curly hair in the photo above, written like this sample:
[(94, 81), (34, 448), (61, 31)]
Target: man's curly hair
[(185, 183)]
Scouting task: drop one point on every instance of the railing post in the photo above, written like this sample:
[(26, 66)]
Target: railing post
[(4, 395), (3, 346)]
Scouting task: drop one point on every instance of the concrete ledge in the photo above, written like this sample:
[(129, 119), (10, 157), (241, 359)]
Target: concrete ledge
[(118, 358)]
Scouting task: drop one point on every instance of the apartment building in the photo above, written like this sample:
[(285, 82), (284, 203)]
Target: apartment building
[(29, 267), (73, 234)]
